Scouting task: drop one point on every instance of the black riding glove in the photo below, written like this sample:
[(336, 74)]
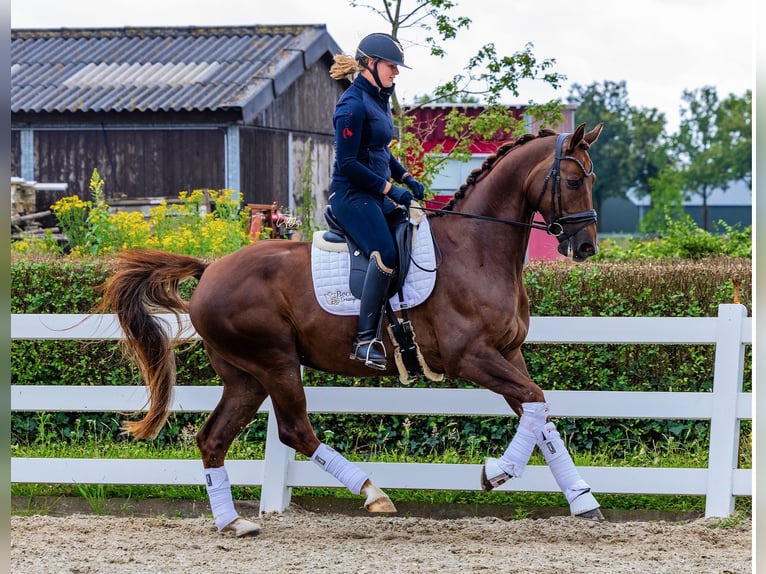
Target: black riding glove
[(400, 195), (417, 188)]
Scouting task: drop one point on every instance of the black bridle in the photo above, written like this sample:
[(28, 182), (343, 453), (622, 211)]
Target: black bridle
[(556, 226)]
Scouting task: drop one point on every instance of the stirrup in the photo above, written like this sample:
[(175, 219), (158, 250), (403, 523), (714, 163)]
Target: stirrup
[(365, 351), (492, 475)]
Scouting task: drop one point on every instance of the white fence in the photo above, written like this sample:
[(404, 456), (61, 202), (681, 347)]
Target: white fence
[(278, 472)]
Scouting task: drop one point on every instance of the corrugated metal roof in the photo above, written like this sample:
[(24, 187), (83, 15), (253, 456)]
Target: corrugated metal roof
[(159, 69)]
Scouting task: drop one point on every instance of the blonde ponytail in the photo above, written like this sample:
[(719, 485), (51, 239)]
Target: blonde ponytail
[(344, 66)]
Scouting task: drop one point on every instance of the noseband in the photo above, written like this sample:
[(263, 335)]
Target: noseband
[(556, 225)]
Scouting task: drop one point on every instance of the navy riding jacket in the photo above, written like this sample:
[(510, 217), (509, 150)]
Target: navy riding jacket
[(364, 128)]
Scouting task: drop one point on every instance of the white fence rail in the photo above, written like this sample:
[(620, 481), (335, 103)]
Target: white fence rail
[(278, 472)]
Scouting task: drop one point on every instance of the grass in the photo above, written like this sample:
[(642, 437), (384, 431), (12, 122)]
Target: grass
[(671, 454), (95, 494)]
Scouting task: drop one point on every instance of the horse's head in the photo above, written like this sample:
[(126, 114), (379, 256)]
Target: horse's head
[(566, 201)]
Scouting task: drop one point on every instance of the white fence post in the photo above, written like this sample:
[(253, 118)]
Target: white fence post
[(724, 424), (275, 494)]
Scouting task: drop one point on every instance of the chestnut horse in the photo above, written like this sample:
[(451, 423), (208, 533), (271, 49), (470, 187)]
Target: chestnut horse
[(259, 319)]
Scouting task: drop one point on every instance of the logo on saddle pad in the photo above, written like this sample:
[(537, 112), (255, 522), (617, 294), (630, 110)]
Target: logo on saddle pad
[(338, 297)]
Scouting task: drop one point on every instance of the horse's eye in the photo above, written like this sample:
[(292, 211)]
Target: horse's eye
[(574, 183)]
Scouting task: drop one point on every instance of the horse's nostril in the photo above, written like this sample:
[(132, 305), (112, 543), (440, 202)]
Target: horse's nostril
[(586, 250)]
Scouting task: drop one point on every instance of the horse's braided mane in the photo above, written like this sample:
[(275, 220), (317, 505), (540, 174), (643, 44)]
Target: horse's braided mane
[(490, 161)]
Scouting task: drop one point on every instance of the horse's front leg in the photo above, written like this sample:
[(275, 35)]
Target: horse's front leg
[(536, 430), (511, 379)]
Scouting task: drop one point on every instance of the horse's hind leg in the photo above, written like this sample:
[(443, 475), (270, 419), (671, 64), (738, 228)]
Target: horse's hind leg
[(242, 396), (289, 401)]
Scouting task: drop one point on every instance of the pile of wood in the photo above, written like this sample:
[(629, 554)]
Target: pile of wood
[(26, 220)]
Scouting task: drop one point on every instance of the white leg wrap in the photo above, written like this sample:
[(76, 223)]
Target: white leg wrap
[(219, 493), (350, 475), (575, 489), (498, 471), (516, 456)]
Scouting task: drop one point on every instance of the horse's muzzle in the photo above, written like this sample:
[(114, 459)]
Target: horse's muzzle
[(578, 250)]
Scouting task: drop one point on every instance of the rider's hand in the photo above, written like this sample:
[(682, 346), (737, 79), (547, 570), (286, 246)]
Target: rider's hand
[(417, 188), (400, 195)]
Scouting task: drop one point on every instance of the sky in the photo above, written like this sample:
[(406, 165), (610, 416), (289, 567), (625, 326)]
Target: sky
[(659, 48)]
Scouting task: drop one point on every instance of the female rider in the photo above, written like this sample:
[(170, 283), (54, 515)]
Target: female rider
[(361, 193)]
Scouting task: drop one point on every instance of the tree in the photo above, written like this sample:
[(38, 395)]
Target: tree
[(714, 142), (487, 75), (648, 148), (734, 121), (667, 201)]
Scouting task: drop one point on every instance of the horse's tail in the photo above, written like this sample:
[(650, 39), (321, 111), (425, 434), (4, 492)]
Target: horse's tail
[(144, 282)]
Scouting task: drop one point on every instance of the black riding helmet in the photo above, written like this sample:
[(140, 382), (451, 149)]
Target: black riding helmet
[(380, 46)]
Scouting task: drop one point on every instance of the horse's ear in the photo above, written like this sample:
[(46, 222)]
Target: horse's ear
[(593, 134), (576, 137)]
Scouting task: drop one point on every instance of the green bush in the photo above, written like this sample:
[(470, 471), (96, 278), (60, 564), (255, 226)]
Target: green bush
[(682, 238), (645, 288)]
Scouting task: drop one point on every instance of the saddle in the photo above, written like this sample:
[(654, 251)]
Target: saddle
[(402, 231)]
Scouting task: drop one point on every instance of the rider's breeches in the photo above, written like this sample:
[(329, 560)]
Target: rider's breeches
[(363, 217)]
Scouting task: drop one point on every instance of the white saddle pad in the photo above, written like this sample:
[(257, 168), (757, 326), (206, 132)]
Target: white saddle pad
[(330, 270)]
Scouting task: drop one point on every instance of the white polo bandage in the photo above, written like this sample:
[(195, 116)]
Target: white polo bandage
[(515, 458), (219, 493), (350, 475), (560, 462)]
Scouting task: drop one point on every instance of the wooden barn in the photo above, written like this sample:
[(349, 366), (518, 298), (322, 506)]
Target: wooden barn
[(162, 110)]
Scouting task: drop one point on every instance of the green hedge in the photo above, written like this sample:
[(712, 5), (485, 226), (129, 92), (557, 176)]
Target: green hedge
[(652, 288)]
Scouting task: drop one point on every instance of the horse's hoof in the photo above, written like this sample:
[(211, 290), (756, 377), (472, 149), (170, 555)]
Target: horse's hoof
[(381, 505), (377, 500), (594, 514), (586, 506), (242, 527)]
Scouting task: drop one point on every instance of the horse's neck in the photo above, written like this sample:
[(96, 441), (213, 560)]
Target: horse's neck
[(502, 193)]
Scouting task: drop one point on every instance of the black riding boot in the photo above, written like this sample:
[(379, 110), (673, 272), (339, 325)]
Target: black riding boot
[(368, 347)]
